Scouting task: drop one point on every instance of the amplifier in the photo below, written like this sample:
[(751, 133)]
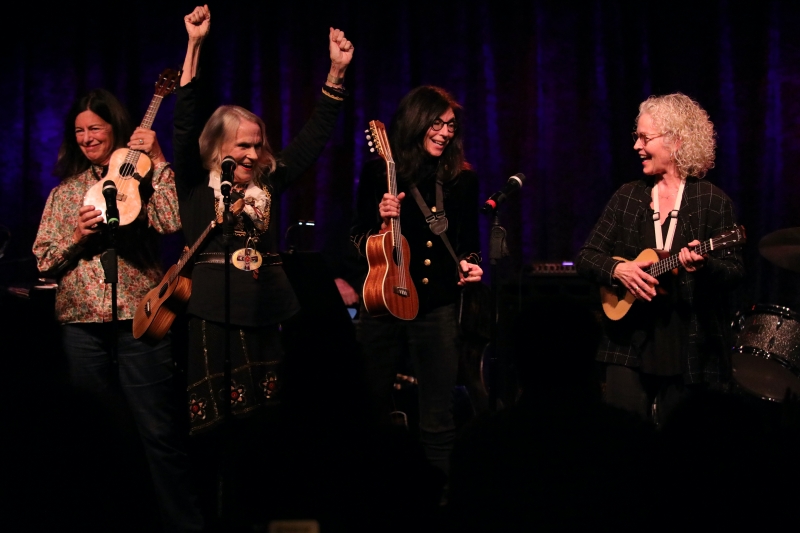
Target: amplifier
[(543, 268), (544, 280)]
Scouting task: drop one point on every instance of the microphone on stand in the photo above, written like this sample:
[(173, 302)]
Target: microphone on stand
[(513, 184), (226, 182), (112, 212)]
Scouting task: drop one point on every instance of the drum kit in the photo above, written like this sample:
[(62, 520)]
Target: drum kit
[(766, 356)]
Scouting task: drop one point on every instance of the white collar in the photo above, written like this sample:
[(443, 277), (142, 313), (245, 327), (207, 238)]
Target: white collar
[(257, 208)]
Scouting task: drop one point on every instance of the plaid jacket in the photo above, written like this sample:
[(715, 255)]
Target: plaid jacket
[(705, 212)]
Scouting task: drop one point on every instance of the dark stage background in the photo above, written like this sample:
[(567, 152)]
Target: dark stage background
[(550, 89)]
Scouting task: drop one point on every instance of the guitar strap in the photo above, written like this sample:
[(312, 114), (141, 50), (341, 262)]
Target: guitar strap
[(437, 220), (673, 215)]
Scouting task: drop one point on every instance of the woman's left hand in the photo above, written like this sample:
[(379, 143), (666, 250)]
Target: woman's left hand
[(691, 261), (472, 273), (145, 141), (341, 52)]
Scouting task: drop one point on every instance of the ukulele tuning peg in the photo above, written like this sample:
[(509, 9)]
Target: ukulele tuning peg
[(369, 143), (372, 149), (366, 131)]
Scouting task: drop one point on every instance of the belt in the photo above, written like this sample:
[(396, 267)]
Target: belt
[(218, 258)]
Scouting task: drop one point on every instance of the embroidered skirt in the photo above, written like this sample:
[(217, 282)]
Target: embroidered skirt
[(256, 355)]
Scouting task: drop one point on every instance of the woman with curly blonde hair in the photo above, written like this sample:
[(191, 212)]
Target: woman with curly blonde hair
[(686, 129), (665, 347)]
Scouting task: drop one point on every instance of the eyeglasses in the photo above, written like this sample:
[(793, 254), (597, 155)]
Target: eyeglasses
[(438, 123), (644, 138)]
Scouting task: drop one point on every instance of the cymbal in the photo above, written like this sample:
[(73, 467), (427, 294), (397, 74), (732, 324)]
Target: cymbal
[(782, 248)]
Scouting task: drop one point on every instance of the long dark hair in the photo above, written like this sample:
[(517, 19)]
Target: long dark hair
[(417, 111), (71, 160)]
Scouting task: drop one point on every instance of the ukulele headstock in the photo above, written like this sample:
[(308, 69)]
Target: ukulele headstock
[(733, 237), (167, 82), (378, 140)]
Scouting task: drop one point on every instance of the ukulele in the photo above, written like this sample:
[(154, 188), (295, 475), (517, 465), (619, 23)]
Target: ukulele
[(126, 168), (160, 306), (388, 288), (617, 302)]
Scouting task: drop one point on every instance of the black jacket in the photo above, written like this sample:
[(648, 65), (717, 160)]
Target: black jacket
[(706, 211), (437, 282), (267, 299)]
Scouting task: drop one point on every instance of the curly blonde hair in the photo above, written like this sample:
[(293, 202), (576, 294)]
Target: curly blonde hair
[(679, 118)]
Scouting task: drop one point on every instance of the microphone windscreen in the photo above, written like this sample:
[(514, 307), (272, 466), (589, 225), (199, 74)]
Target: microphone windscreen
[(228, 164)]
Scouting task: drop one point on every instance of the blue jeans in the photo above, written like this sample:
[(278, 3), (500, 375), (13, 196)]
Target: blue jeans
[(431, 341), (144, 374)]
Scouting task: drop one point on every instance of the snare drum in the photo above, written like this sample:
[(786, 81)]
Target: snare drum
[(766, 357)]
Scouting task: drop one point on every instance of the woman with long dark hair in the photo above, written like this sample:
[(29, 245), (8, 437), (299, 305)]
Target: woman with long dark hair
[(426, 142), (68, 246)]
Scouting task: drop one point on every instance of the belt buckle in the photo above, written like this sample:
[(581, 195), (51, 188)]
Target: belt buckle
[(247, 259)]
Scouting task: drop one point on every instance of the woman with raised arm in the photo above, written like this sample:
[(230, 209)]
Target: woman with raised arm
[(260, 294), (69, 245)]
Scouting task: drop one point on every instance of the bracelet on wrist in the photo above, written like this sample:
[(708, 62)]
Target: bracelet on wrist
[(333, 80)]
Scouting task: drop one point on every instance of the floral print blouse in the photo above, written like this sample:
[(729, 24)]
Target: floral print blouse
[(83, 295)]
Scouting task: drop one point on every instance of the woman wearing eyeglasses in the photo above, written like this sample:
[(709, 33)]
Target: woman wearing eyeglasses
[(426, 144), (672, 341)]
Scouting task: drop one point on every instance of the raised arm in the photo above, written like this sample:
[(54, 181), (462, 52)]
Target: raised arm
[(187, 121), (198, 22), (341, 51), (306, 147)]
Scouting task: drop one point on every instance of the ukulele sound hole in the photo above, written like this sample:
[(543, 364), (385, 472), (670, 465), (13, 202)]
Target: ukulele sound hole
[(127, 170)]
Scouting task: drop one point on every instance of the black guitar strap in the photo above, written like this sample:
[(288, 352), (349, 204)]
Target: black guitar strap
[(437, 220)]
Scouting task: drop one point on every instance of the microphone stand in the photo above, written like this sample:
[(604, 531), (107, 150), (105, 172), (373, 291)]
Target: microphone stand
[(110, 268), (497, 251), (225, 430)]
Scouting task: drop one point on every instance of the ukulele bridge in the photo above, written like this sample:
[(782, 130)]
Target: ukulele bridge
[(401, 291)]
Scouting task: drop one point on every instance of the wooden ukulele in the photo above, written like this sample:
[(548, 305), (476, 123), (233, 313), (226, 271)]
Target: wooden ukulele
[(160, 306), (126, 168), (617, 302), (388, 289)]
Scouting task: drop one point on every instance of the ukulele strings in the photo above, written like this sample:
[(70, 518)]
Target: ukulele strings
[(673, 261), (396, 242), (132, 158)]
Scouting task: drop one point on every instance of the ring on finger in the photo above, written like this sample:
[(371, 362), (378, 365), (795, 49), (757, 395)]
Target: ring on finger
[(141, 141)]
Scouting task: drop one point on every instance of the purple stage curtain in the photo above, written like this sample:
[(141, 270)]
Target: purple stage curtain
[(550, 89)]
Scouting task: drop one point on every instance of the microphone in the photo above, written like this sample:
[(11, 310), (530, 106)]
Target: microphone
[(226, 182), (112, 213), (512, 185)]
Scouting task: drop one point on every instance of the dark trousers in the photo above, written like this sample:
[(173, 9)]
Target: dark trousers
[(144, 375), (431, 343), (651, 397)]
